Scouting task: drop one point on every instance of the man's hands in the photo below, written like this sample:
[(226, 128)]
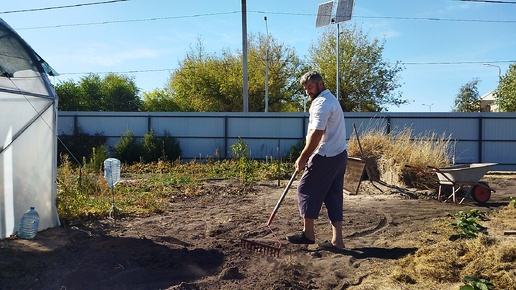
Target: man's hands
[(312, 142), (300, 164)]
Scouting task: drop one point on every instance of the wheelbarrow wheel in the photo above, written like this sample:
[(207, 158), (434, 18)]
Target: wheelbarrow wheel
[(481, 192)]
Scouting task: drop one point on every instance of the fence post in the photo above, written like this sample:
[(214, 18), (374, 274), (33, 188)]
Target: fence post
[(480, 141), (225, 136), (388, 125), (75, 126)]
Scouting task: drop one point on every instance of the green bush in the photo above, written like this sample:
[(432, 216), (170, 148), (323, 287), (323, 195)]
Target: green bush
[(171, 150), (127, 150), (79, 145), (245, 164), (96, 161), (295, 151), (156, 148), (151, 147)]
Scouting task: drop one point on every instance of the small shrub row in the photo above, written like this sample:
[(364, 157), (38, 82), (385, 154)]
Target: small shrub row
[(152, 148), (79, 145), (83, 147)]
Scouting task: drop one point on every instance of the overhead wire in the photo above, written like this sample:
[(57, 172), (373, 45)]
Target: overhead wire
[(489, 1), (61, 7), (131, 20), (258, 12), (402, 63)]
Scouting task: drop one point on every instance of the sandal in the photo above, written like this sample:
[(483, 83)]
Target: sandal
[(328, 246), (300, 239)]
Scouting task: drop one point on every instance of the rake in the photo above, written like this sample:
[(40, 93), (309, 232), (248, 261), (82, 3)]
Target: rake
[(270, 248)]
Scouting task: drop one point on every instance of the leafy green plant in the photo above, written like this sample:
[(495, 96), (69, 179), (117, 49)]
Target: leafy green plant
[(245, 164), (127, 150), (468, 224), (475, 283), (96, 161), (79, 192)]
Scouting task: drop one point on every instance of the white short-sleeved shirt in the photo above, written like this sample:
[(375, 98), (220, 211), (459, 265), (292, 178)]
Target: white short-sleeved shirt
[(326, 114)]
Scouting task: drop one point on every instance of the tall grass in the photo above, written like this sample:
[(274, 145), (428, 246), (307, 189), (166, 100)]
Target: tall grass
[(387, 154)]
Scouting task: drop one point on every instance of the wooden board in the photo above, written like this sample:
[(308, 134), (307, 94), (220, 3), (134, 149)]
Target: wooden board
[(354, 174)]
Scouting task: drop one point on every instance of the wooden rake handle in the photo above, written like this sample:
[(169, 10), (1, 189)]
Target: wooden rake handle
[(282, 198)]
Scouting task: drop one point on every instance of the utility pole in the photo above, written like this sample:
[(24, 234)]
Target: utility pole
[(337, 94), (244, 58), (267, 69)]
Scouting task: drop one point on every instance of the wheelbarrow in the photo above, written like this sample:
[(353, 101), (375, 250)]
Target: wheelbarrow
[(459, 176), (462, 175)]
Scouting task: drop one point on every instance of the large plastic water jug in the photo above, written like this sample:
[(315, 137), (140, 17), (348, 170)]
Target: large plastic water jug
[(112, 171), (29, 224)]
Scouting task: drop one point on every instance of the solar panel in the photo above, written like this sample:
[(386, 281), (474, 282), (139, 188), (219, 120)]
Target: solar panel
[(324, 14), (344, 10)]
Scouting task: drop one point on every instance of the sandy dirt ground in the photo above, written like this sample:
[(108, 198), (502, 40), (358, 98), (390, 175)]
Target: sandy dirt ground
[(195, 243)]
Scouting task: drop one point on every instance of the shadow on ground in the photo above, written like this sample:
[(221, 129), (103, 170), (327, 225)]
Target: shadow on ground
[(111, 263)]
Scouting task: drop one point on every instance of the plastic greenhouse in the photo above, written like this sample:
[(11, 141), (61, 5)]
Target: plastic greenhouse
[(28, 112)]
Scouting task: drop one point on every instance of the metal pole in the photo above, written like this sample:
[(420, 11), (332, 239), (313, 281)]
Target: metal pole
[(267, 80), (338, 63), (267, 69), (244, 58), (499, 79)]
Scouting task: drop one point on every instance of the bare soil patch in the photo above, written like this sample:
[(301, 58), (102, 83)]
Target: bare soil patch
[(195, 243)]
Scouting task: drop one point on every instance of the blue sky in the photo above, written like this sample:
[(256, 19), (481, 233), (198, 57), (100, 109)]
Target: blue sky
[(442, 43)]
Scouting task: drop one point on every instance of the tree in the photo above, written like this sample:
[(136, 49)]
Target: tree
[(114, 92), (506, 92), (367, 82), (70, 97), (196, 85), (159, 100), (91, 92), (213, 82), (468, 98), (285, 68), (119, 93)]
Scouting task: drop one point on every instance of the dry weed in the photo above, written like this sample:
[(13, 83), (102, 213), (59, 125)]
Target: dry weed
[(491, 257), (387, 155)]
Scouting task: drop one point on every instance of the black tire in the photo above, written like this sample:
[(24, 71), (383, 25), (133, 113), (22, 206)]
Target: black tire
[(481, 192)]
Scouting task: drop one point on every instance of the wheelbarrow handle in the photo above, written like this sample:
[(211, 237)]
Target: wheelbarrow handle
[(418, 169), (443, 175)]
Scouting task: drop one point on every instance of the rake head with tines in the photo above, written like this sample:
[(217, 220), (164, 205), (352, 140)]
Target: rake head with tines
[(267, 248)]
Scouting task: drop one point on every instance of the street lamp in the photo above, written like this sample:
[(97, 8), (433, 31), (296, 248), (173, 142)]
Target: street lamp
[(499, 78), (343, 12), (429, 106)]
